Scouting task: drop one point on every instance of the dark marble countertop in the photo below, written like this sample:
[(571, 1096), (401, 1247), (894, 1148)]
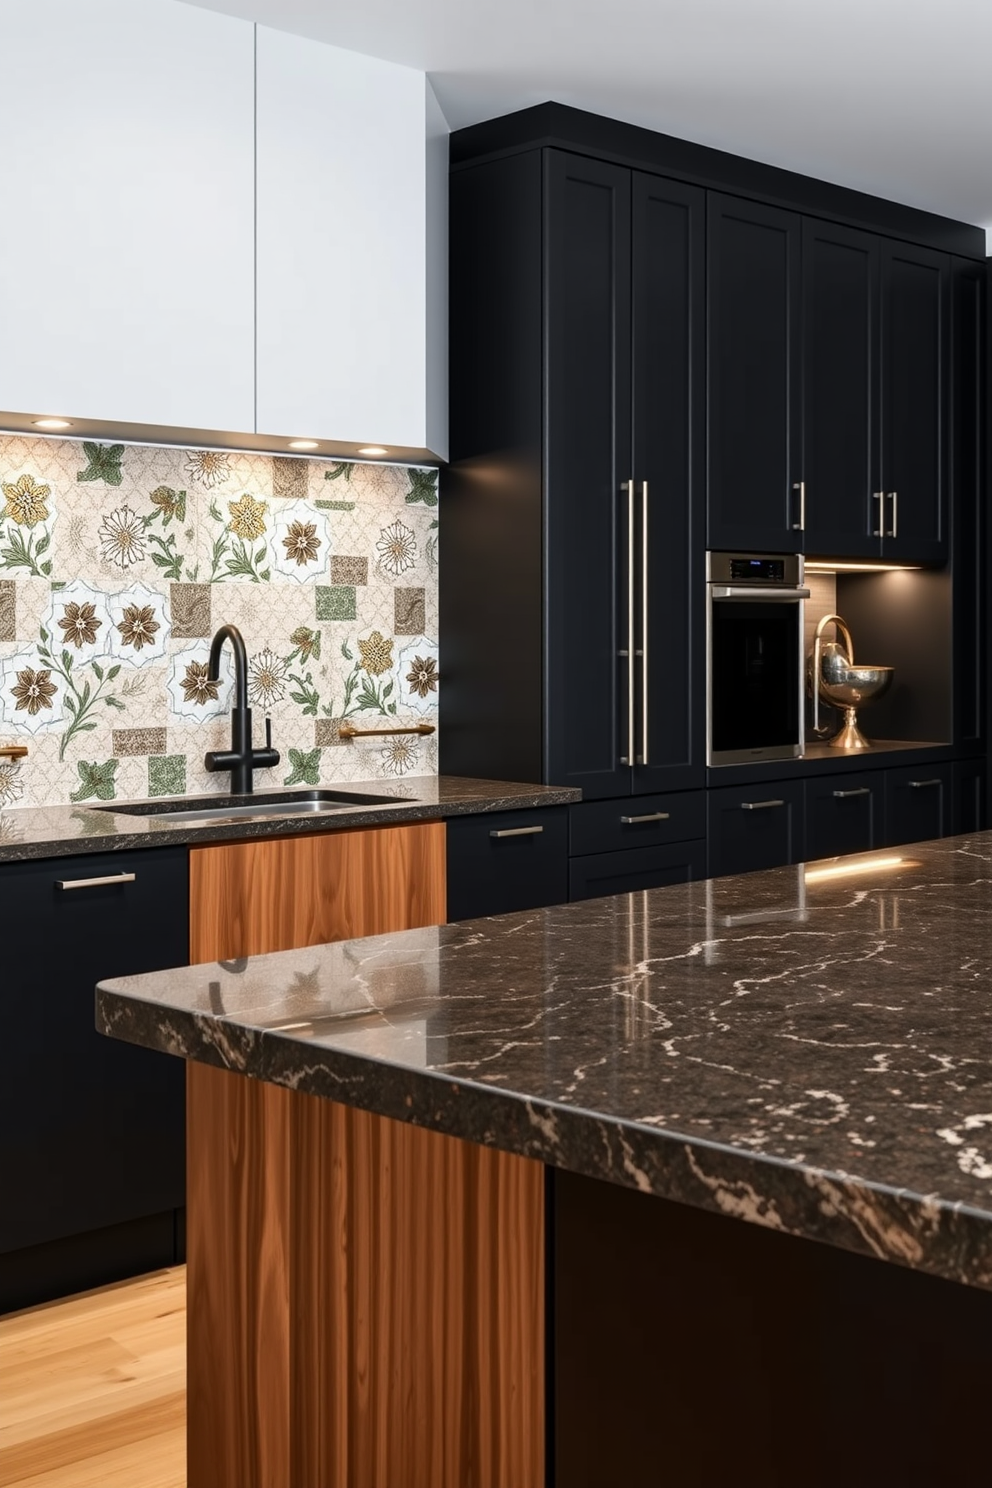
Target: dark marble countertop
[(62, 831), (804, 1050)]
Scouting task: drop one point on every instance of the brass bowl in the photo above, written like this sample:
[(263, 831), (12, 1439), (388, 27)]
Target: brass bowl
[(849, 686)]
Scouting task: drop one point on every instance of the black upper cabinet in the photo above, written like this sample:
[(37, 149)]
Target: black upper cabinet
[(840, 451), (753, 350), (587, 319), (914, 401)]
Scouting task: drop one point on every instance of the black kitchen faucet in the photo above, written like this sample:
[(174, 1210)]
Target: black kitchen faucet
[(241, 759)]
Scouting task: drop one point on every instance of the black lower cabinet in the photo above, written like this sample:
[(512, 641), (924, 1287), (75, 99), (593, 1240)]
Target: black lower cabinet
[(92, 1131), (596, 874), (507, 860), (752, 827), (969, 782), (844, 814), (917, 803)]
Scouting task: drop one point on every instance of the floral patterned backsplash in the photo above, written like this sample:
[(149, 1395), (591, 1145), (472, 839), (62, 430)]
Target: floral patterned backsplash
[(117, 564)]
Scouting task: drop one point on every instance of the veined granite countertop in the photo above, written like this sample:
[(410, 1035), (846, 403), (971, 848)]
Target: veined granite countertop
[(61, 831), (806, 1050)]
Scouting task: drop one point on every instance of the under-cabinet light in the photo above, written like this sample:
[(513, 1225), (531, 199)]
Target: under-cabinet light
[(303, 444), (826, 566), (52, 423), (373, 449), (849, 870)]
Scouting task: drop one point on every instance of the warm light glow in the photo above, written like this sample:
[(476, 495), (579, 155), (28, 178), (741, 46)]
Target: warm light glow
[(848, 870), (826, 566), (52, 423), (303, 444), (373, 449)]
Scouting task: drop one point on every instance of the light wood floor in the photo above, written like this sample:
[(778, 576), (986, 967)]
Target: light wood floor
[(93, 1390)]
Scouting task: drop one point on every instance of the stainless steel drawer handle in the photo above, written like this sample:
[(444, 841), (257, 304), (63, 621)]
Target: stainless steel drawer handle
[(760, 805), (863, 790), (921, 784), (94, 883), (517, 832), (629, 821)]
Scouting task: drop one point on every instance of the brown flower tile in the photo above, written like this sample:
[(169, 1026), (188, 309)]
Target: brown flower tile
[(326, 735), (139, 741), (191, 618), (8, 610), (290, 478), (409, 612), (349, 571)]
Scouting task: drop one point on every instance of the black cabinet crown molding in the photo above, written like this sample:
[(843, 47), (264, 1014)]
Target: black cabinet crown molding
[(558, 125)]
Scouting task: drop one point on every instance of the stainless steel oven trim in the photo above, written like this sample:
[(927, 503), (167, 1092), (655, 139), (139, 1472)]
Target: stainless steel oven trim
[(795, 594)]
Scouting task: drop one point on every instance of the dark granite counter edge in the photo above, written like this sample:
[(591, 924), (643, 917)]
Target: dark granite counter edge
[(126, 833), (918, 1231)]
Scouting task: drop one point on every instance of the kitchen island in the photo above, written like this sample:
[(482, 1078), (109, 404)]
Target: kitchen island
[(466, 1203)]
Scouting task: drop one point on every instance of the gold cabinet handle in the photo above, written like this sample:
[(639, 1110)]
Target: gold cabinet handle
[(516, 832), (629, 821), (346, 731), (94, 883)]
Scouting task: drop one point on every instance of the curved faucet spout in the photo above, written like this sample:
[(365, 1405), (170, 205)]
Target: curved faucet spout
[(817, 654), (231, 633)]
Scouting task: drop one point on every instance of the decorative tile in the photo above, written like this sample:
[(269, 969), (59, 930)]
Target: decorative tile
[(191, 618), (140, 741), (167, 775), (353, 571), (336, 603), (409, 613), (117, 563), (8, 610)]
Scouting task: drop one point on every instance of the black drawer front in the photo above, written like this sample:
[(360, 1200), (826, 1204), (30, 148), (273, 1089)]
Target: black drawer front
[(506, 860), (917, 803), (598, 874), (752, 827), (969, 778), (844, 814), (636, 822)]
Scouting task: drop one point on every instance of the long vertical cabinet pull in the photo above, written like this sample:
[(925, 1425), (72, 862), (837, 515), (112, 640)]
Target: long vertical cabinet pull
[(630, 653), (643, 757)]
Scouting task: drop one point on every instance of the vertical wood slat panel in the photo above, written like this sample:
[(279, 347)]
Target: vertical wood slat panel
[(367, 1298)]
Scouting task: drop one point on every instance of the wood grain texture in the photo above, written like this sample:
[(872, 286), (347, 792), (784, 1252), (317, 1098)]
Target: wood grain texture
[(92, 1389), (247, 898), (366, 1299)]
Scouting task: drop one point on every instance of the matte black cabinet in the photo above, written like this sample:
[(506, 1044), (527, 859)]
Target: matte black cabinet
[(92, 1131), (594, 875), (506, 861), (577, 315), (752, 827), (918, 804), (844, 814)]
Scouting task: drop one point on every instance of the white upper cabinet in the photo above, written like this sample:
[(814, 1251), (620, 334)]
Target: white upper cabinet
[(350, 248), (126, 256)]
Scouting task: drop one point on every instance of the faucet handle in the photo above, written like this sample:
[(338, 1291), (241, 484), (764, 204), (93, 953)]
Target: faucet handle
[(268, 732)]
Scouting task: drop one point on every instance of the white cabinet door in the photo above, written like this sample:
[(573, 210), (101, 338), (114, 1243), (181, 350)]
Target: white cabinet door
[(342, 243), (126, 253)]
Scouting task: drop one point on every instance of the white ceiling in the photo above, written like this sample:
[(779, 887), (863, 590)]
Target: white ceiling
[(893, 97)]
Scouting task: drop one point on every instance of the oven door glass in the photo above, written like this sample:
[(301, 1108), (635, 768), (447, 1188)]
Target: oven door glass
[(754, 677)]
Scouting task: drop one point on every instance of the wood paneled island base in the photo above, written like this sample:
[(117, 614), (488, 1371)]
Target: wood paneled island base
[(366, 1299)]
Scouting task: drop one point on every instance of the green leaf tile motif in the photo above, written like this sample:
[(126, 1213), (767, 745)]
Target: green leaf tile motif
[(423, 487), (336, 602), (305, 767), (167, 775), (104, 463), (96, 781)]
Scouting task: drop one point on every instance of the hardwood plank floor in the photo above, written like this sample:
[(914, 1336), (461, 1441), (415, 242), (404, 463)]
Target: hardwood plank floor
[(93, 1389)]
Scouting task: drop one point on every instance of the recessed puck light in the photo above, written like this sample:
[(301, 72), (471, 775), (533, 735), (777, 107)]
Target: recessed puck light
[(373, 449), (52, 423), (303, 444)]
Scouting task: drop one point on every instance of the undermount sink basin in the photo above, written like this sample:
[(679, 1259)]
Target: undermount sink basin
[(228, 808)]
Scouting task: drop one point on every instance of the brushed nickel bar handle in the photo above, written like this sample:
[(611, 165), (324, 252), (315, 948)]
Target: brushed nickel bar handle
[(921, 784), (346, 731), (800, 486), (517, 832), (94, 883), (747, 591), (629, 821), (628, 758), (759, 805), (879, 496), (863, 790), (644, 623), (895, 514), (13, 751)]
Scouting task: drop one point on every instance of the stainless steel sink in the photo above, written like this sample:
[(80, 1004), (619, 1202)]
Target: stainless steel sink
[(236, 808)]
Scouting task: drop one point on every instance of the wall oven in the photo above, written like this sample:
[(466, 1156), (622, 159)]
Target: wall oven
[(754, 657)]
